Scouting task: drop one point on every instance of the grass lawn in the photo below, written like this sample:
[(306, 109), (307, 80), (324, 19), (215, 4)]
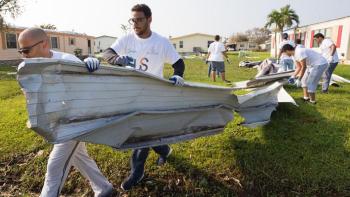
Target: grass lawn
[(304, 151)]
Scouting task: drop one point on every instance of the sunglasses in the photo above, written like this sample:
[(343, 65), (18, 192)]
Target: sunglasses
[(26, 50), (136, 20)]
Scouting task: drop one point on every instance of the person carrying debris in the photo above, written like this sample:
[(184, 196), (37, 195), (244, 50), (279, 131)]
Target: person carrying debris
[(34, 43), (309, 70), (146, 51), (286, 62), (329, 51), (216, 54)]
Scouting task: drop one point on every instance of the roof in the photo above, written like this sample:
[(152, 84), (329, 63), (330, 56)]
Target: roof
[(104, 36), (320, 22), (72, 33), (193, 34)]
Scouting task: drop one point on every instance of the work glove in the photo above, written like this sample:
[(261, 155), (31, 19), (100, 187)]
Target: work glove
[(177, 80), (126, 61), (206, 61), (298, 83), (92, 64), (291, 80)]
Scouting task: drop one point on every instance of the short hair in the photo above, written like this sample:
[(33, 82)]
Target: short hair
[(285, 36), (287, 47), (142, 8), (217, 38), (33, 33), (319, 35), (298, 41)]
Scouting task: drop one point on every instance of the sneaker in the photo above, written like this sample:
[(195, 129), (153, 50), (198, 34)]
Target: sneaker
[(312, 102), (305, 99), (324, 91), (162, 160), (131, 181)]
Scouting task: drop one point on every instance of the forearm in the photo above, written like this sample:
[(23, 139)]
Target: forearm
[(179, 68), (110, 56), (298, 69), (303, 68), (279, 54), (333, 49), (225, 54)]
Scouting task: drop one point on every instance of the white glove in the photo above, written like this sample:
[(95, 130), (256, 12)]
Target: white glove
[(178, 81), (92, 64), (298, 83)]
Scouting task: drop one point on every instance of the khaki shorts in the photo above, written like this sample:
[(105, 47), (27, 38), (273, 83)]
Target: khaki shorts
[(312, 76)]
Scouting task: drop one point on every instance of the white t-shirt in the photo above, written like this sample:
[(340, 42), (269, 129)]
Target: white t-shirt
[(312, 57), (64, 56), (327, 52), (150, 53), (215, 49), (284, 42)]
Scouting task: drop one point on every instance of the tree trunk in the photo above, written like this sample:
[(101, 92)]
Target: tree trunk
[(275, 44)]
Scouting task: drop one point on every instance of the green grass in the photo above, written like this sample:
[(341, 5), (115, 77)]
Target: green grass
[(304, 151)]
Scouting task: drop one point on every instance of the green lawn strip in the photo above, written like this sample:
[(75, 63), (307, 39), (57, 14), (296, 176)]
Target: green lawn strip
[(303, 151)]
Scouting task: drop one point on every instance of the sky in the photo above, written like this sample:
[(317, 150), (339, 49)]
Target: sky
[(171, 18)]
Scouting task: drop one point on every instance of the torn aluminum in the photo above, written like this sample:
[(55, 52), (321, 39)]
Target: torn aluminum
[(125, 108)]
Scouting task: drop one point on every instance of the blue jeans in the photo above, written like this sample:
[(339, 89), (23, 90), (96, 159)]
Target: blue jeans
[(139, 157), (287, 64), (328, 75)]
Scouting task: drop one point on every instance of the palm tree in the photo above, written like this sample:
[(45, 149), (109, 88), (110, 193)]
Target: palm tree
[(285, 17), (275, 19), (288, 16)]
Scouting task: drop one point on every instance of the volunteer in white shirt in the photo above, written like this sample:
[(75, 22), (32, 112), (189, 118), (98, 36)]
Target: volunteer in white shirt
[(146, 51), (285, 61), (216, 54), (329, 51), (310, 67), (34, 42)]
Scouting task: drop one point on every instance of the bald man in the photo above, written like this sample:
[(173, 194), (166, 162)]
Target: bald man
[(34, 42)]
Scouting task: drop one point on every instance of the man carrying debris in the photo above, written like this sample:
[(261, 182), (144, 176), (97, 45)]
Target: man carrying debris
[(309, 70), (216, 54), (146, 51), (34, 42), (283, 59), (329, 51)]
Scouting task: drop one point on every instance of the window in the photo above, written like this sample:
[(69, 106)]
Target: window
[(54, 43), (181, 44), (301, 36), (174, 45), (252, 45), (197, 49), (241, 46), (11, 41), (209, 42), (71, 41)]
